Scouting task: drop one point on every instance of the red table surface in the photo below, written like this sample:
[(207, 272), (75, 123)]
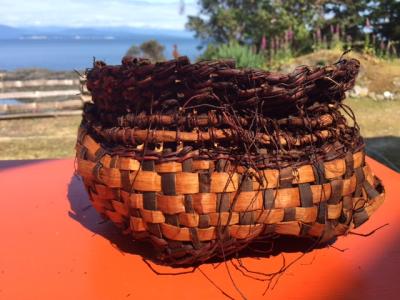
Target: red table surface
[(53, 247)]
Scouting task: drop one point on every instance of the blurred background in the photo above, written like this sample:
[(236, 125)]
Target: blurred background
[(46, 44)]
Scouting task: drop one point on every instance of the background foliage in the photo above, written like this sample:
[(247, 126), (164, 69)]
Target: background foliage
[(294, 27), (151, 49)]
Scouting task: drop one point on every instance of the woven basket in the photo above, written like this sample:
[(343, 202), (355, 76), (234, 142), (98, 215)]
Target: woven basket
[(203, 159)]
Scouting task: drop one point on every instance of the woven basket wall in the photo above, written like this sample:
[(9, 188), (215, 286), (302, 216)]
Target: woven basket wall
[(173, 153)]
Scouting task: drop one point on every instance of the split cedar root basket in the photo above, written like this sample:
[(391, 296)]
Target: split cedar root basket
[(203, 159)]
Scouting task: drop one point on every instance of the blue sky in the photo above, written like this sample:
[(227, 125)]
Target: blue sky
[(96, 13)]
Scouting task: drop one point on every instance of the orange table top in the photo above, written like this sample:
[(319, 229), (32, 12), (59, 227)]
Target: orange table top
[(54, 246)]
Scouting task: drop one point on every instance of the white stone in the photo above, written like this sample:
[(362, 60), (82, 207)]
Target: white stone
[(359, 91), (380, 97), (388, 95)]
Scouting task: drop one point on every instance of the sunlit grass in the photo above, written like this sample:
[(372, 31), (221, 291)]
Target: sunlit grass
[(38, 138)]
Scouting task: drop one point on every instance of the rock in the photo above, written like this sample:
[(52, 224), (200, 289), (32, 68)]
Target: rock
[(372, 95), (380, 97), (388, 95), (359, 91)]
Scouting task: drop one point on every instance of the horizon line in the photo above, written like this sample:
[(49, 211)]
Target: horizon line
[(94, 27)]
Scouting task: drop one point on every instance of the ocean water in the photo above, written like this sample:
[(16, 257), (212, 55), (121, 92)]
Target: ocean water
[(9, 101), (69, 54)]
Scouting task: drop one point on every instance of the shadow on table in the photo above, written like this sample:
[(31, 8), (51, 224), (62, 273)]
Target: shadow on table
[(83, 212), (9, 164), (386, 150)]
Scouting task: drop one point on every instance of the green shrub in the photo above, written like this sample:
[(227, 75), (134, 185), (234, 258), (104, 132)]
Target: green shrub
[(244, 56)]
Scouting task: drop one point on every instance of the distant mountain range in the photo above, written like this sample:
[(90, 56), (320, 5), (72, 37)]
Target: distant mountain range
[(7, 32)]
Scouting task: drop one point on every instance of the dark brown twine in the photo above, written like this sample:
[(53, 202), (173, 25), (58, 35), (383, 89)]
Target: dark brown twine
[(215, 285), (369, 233)]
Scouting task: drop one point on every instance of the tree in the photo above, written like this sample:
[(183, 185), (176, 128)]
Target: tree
[(248, 21), (385, 19), (133, 51), (298, 25), (151, 49), (370, 22), (349, 17)]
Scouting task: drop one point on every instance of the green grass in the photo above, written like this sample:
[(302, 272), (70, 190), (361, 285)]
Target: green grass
[(376, 118), (55, 137), (379, 122), (38, 138)]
